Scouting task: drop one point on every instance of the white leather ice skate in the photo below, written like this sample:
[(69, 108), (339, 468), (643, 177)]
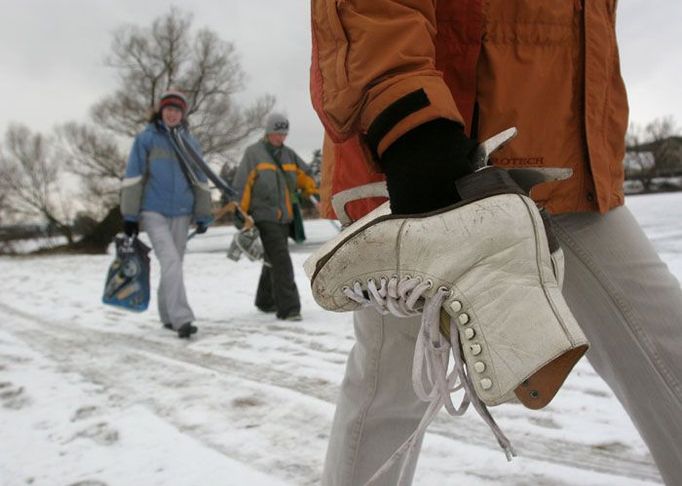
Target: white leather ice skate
[(481, 272)]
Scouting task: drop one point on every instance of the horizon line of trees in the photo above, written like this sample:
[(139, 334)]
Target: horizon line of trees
[(653, 151)]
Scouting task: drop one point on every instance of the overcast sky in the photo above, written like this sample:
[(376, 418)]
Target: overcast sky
[(52, 51)]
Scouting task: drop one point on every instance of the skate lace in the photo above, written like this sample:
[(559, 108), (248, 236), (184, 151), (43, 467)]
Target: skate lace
[(430, 378), (392, 296)]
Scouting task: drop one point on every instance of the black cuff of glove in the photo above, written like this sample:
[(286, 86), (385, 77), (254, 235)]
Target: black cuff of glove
[(421, 166)]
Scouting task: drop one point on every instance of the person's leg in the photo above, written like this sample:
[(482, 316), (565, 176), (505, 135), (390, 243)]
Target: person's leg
[(179, 228), (265, 300), (164, 234), (275, 244), (630, 307), (377, 408)]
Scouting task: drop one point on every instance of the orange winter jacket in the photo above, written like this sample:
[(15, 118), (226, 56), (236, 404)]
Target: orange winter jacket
[(382, 67)]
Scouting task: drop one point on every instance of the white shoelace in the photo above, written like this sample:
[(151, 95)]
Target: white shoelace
[(430, 378)]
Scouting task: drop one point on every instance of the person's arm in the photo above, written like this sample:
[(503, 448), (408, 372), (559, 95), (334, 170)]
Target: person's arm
[(132, 186), (355, 78), (304, 179), (395, 98), (244, 180)]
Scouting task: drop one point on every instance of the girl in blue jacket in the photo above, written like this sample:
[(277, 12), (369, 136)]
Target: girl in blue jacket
[(158, 192)]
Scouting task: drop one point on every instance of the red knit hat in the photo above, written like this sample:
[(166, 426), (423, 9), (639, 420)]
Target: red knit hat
[(173, 98)]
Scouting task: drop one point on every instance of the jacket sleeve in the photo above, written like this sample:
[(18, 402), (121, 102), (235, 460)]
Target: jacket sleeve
[(358, 85), (304, 179), (132, 186), (244, 180)]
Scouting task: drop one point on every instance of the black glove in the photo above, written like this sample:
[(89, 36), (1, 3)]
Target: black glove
[(421, 166), (201, 228), (131, 228)]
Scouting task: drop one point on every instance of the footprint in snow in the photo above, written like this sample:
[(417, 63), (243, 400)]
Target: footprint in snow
[(546, 422), (13, 397), (101, 433), (84, 413), (615, 446), (246, 402)]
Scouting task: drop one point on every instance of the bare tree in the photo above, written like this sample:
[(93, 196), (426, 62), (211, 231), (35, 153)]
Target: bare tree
[(30, 179), (661, 128), (148, 61), (204, 67), (316, 166), (668, 153), (659, 144), (634, 136), (639, 162), (98, 159)]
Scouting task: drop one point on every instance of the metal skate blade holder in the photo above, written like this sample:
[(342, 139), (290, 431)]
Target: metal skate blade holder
[(526, 178), (480, 159)]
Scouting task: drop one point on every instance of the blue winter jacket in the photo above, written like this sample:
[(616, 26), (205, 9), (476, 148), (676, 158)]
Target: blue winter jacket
[(154, 180)]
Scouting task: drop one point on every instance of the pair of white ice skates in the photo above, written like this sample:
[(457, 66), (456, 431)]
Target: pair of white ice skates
[(484, 275)]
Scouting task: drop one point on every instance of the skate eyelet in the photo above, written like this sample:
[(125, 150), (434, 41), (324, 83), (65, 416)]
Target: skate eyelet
[(479, 366), (430, 283), (372, 281), (443, 288), (469, 333), (476, 349), (486, 383), (463, 319)]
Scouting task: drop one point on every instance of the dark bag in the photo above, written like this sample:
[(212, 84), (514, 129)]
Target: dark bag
[(296, 229), (127, 284)]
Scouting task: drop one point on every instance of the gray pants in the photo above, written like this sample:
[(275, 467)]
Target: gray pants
[(169, 238), (628, 305)]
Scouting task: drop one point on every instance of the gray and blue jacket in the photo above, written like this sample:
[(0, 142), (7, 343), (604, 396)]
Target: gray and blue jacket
[(155, 181)]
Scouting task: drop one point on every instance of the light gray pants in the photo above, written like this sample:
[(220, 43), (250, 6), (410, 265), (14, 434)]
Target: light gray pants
[(169, 238), (627, 303)]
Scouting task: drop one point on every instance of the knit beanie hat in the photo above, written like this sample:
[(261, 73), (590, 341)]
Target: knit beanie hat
[(173, 98), (277, 123)]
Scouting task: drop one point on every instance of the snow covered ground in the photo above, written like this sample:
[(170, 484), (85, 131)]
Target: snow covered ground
[(90, 395)]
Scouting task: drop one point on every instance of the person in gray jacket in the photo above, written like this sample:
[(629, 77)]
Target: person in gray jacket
[(156, 191), (268, 179)]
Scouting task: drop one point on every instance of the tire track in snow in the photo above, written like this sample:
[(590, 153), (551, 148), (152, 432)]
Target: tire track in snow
[(75, 343)]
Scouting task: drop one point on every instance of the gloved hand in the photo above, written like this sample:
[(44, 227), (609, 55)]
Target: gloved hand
[(421, 166), (201, 228), (131, 228)]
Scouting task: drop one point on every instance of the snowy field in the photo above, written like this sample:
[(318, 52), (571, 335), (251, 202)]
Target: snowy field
[(90, 395)]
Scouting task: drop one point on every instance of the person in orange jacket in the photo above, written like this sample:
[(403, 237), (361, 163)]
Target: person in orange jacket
[(405, 89)]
